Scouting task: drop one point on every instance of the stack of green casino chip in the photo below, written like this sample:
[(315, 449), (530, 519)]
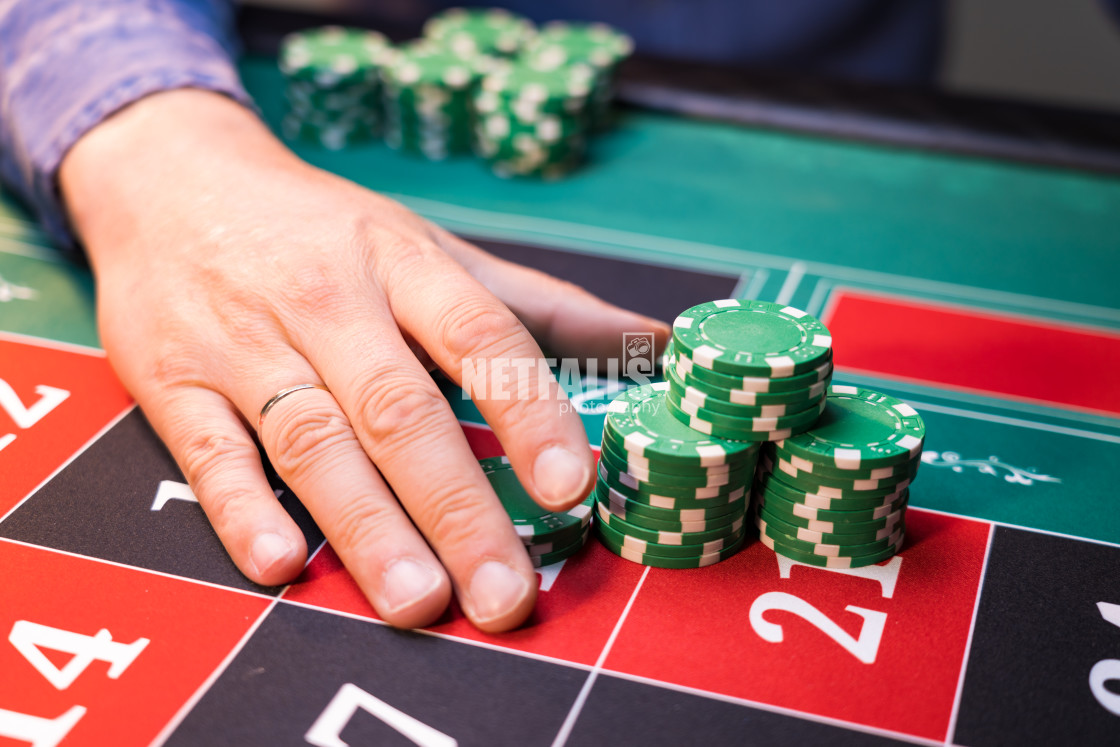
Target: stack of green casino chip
[(562, 43), (473, 31), (836, 495), (427, 99), (548, 537), (748, 370), (668, 496), (333, 87), (531, 121)]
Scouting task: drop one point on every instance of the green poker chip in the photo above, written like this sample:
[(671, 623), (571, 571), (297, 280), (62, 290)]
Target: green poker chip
[(830, 562), (548, 558), (667, 522), (640, 421), (562, 89), (335, 136), (720, 398), (474, 31), (859, 429), (812, 481), (752, 429), (820, 517), (756, 384), (829, 499), (691, 400), (829, 550), (620, 455), (720, 527), (751, 338), (630, 529), (333, 55), (422, 66), (657, 561), (907, 468), (529, 519), (635, 477), (561, 43), (643, 492), (642, 547), (734, 502), (867, 491), (850, 534)]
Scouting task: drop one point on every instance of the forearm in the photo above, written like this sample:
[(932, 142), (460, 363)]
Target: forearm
[(67, 65)]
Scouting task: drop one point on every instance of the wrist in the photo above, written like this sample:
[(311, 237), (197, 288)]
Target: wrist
[(160, 153)]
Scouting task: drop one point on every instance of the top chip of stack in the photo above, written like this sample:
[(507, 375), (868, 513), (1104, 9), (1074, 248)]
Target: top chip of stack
[(332, 84), (668, 496), (836, 495), (749, 370), (532, 121), (473, 31), (562, 43), (548, 537)]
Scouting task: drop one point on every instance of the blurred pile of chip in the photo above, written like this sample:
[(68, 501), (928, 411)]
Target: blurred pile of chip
[(481, 79)]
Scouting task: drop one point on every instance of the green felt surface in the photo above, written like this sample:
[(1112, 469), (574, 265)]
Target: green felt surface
[(777, 208), (1008, 227)]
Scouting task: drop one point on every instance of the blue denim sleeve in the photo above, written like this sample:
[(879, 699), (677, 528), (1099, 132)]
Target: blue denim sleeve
[(66, 65)]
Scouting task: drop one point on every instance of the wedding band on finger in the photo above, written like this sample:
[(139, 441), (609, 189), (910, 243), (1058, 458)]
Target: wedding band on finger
[(281, 395)]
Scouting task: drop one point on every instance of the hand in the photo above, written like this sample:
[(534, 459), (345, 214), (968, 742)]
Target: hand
[(227, 270)]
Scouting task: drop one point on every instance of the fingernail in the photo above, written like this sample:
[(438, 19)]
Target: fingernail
[(268, 550), (406, 582), (496, 590), (560, 475)]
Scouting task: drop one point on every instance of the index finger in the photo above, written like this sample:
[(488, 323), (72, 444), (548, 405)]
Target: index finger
[(410, 433), (481, 344)]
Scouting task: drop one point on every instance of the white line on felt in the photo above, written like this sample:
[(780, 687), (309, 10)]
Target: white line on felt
[(977, 397), (771, 708), (758, 282), (968, 644), (81, 450), (45, 342), (187, 707), (573, 714), (820, 293), (691, 251), (1004, 420), (789, 287), (741, 283)]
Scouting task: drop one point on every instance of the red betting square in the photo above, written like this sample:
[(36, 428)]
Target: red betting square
[(975, 350), (579, 602), (578, 605), (53, 399), (705, 629), (56, 661)]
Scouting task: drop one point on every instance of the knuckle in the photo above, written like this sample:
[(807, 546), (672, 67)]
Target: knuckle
[(219, 467), (403, 260), (173, 364), (397, 407), (526, 412), (314, 290), (473, 327), (452, 514), (305, 436), (362, 525), (206, 453)]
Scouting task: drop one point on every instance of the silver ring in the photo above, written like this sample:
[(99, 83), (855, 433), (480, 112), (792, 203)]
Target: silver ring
[(281, 395)]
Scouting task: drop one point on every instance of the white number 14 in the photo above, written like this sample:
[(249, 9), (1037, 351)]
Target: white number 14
[(30, 639)]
